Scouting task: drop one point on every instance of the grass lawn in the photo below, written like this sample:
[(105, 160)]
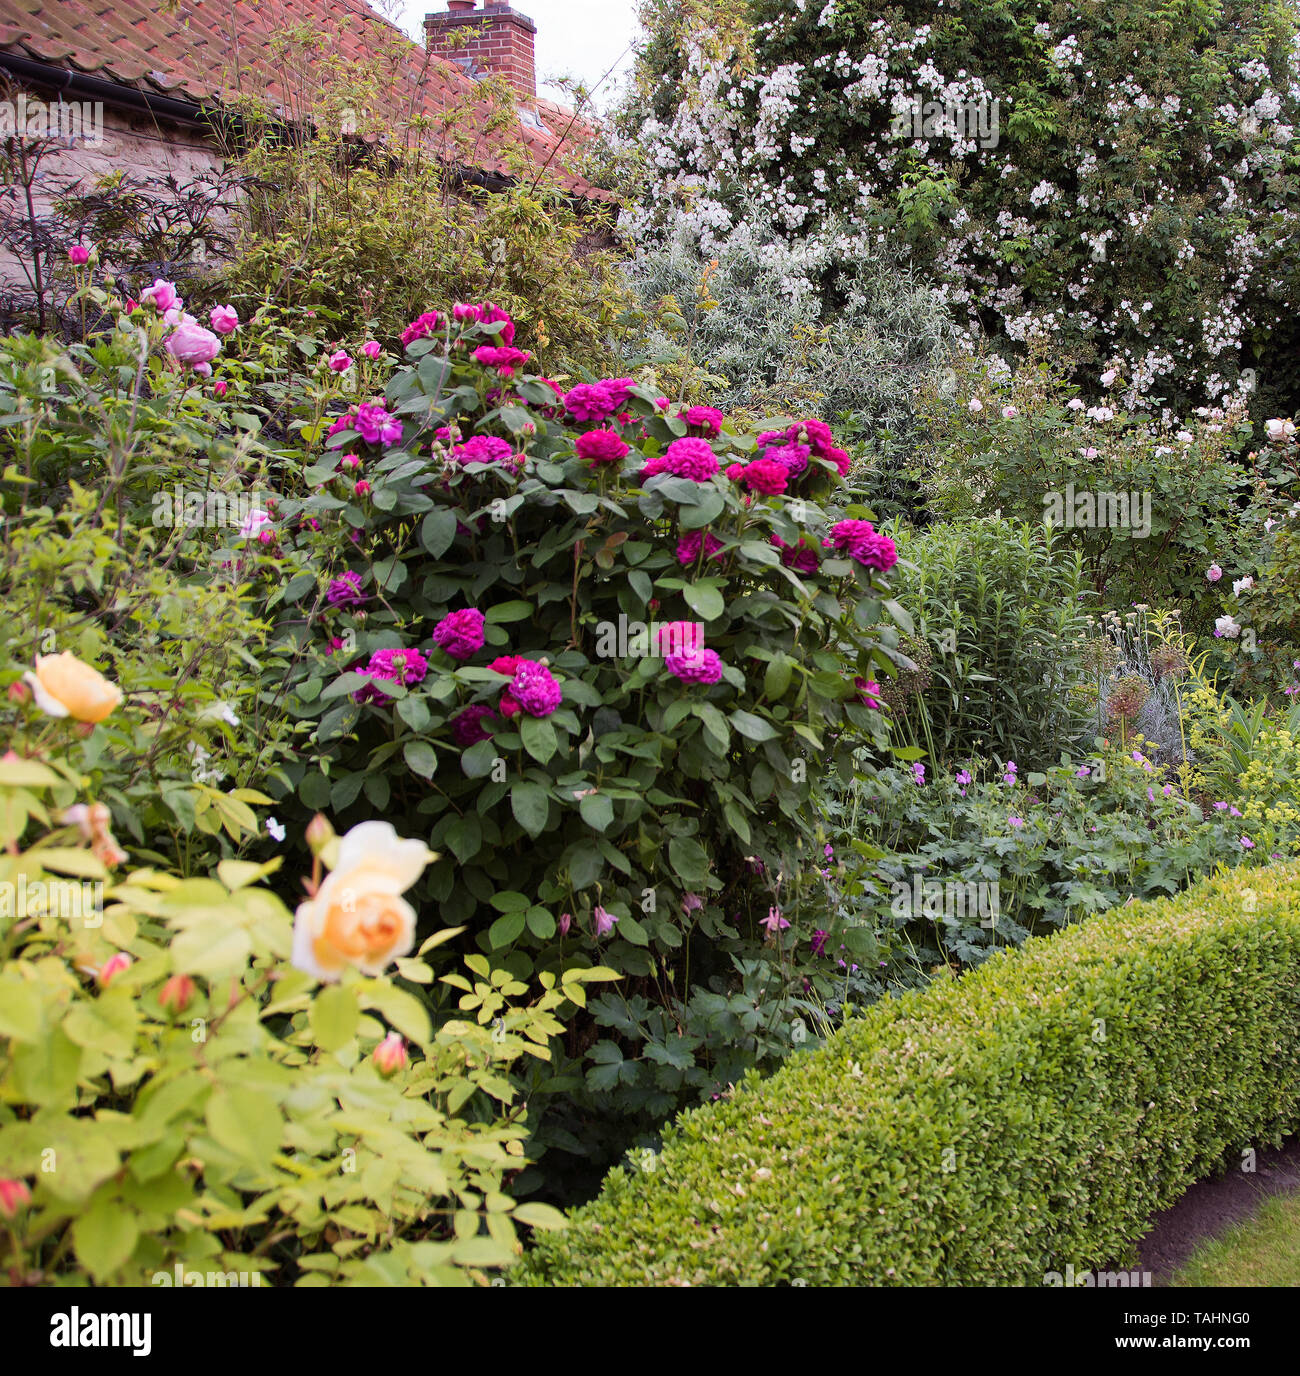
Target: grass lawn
[(1265, 1251)]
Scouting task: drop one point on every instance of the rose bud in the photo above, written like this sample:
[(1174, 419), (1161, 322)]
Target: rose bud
[(111, 968), (177, 995), (390, 1056), (14, 1195), (319, 833), (19, 691)]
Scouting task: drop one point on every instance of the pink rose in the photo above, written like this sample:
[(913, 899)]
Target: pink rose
[(161, 296), (78, 254), (340, 361), (372, 349), (224, 319), (190, 343)]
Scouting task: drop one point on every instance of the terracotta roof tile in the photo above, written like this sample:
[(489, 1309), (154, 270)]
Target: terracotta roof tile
[(211, 51)]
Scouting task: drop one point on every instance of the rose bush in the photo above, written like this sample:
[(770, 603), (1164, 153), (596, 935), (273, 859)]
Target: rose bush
[(601, 654)]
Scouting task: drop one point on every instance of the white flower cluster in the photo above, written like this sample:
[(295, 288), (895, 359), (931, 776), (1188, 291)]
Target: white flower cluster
[(746, 146)]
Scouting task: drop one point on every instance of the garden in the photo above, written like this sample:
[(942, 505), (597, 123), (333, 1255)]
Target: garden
[(761, 752)]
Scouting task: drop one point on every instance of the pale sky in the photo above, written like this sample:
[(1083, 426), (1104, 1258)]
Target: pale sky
[(579, 38)]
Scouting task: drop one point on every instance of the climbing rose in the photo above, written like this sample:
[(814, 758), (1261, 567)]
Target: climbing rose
[(688, 547), (78, 254), (695, 666), (391, 1055), (535, 689), (1214, 573), (430, 323), (598, 447), (224, 319), (460, 634)]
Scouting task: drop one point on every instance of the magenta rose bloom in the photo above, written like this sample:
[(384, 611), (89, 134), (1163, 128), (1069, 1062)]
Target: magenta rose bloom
[(162, 296), (345, 591), (861, 542), (483, 449), (423, 327), (766, 476), (695, 666), (688, 547), (801, 557), (406, 666), (680, 637), (868, 692), (601, 447), (224, 319), (590, 401), (535, 690), (486, 314), (467, 726), (504, 359), (393, 666), (689, 458), (706, 418), (78, 254), (794, 457), (460, 634)]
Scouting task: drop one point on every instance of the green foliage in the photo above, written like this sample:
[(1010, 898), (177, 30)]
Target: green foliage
[(1000, 605), (206, 1108), (124, 488), (368, 240), (1149, 507), (758, 327), (1032, 850), (1033, 1115)]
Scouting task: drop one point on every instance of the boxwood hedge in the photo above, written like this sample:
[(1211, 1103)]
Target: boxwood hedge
[(987, 1130)]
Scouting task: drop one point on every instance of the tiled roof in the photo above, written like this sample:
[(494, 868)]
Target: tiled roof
[(210, 52)]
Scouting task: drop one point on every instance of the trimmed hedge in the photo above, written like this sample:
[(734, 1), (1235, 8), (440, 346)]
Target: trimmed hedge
[(986, 1130)]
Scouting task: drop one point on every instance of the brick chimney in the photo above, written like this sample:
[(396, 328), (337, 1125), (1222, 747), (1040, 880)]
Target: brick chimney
[(493, 38)]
